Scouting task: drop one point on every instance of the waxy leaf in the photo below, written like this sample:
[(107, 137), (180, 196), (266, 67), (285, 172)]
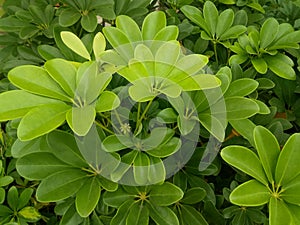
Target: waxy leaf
[(291, 191), (36, 80), (87, 197), (129, 27), (288, 162), (138, 215), (162, 215), (165, 194), (210, 14), (152, 24), (268, 150), (268, 32), (99, 45), (75, 44), (39, 165), (60, 185), (250, 193), (122, 213), (279, 212), (18, 102), (245, 160), (192, 216), (241, 87), (42, 120)]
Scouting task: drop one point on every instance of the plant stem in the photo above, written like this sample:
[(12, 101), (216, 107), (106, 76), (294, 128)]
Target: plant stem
[(138, 122), (216, 53), (103, 127)]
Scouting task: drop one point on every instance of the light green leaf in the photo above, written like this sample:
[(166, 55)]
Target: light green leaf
[(245, 127), (287, 165), (99, 45), (210, 13), (290, 191), (195, 15), (152, 24), (225, 20), (107, 102), (240, 108), (39, 165), (165, 194), (129, 27), (280, 67), (191, 64), (115, 143), (245, 160), (200, 82), (17, 103), (213, 124), (233, 32), (138, 215), (268, 150), (279, 213), (162, 215), (36, 80), (157, 171), (5, 180), (75, 44), (141, 166), (268, 32), (81, 119), (192, 216), (60, 185), (42, 120), (31, 214), (250, 193), (165, 150), (260, 65), (64, 73), (168, 33), (87, 197), (241, 87)]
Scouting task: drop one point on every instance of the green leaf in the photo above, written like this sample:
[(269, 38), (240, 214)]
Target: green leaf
[(225, 20), (141, 166), (268, 150), (280, 67), (165, 150), (13, 198), (81, 119), (162, 215), (5, 211), (122, 213), (99, 45), (290, 191), (129, 27), (193, 195), (250, 193), (49, 52), (157, 171), (36, 80), (117, 198), (24, 198), (245, 160), (42, 120), (138, 215), (39, 165), (75, 44), (89, 21), (210, 13), (260, 65), (268, 32), (87, 197), (30, 214), (241, 87), (168, 33), (2, 198), (60, 185), (68, 17), (192, 216), (279, 213), (152, 24), (240, 108), (107, 102), (245, 127), (5, 180), (287, 165), (165, 194), (115, 143), (64, 73), (233, 32), (64, 146)]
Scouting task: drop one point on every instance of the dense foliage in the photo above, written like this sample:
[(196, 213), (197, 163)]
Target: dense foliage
[(170, 112)]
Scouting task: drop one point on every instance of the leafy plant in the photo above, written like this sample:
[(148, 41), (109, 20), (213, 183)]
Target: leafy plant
[(275, 175), (263, 48)]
